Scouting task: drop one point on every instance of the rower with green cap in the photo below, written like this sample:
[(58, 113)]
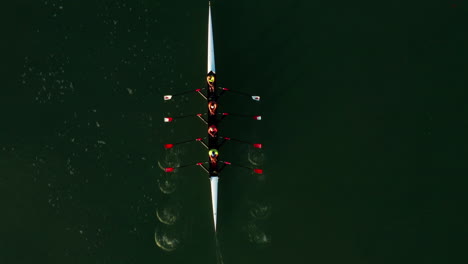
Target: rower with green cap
[(210, 79), (213, 154)]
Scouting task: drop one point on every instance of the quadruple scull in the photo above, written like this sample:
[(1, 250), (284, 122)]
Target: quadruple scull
[(212, 142)]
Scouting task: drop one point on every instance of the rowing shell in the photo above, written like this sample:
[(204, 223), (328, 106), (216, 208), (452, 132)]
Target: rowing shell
[(213, 140)]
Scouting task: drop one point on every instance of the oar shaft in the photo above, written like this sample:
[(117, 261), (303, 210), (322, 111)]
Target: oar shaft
[(170, 96), (254, 97)]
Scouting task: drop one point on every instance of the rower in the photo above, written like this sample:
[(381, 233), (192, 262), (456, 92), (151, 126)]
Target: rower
[(213, 154), (212, 130), (210, 80), (212, 105)]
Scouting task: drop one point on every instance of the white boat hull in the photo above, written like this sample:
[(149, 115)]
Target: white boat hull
[(211, 55), (214, 197)]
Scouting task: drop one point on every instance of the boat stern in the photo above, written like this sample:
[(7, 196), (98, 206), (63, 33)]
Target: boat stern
[(214, 198)]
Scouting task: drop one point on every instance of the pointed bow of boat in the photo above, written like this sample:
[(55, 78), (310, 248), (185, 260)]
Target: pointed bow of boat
[(211, 55)]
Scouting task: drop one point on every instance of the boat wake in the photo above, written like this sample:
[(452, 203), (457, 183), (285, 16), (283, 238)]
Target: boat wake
[(219, 255)]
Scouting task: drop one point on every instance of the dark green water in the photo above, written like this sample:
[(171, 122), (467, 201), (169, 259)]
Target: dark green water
[(365, 132)]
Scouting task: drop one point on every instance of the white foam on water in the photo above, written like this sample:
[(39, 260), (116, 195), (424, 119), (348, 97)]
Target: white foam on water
[(257, 236), (219, 255), (165, 240), (167, 183), (260, 210), (256, 156), (167, 215)]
